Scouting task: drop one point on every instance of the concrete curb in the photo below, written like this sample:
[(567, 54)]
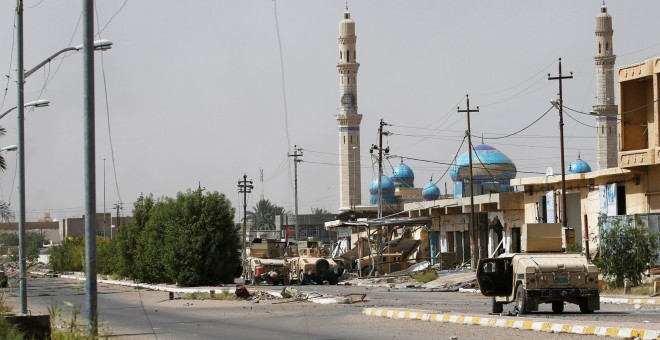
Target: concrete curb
[(514, 324), (619, 301), (149, 286)]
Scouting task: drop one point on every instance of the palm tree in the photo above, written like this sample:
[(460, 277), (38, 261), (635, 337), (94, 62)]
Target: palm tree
[(6, 215), (263, 214), (319, 211)]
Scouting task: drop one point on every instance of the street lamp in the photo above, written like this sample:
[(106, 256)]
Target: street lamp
[(36, 103), (21, 75), (9, 148), (99, 45)]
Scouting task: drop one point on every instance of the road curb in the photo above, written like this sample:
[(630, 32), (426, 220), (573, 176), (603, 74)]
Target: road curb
[(619, 301), (514, 323)]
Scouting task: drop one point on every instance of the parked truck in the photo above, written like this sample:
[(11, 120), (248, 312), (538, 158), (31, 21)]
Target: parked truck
[(542, 273), (266, 263), (312, 263)]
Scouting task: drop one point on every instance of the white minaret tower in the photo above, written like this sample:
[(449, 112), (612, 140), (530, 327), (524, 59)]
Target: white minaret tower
[(605, 108), (348, 119)]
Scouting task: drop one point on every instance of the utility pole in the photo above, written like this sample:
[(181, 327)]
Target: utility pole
[(118, 206), (104, 224), (295, 156), (20, 83), (561, 138), (380, 180), (244, 187), (473, 226)]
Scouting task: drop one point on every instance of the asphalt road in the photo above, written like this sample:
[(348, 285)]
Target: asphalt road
[(130, 313)]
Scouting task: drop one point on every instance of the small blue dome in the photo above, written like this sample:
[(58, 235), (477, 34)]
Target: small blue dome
[(403, 176), (431, 191), (578, 167), (488, 164), (387, 190)]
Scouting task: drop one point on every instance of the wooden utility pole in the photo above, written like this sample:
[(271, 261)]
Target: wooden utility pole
[(561, 139), (473, 226), (380, 149)]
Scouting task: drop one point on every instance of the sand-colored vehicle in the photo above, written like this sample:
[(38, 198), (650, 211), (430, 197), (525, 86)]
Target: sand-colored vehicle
[(266, 263), (543, 274), (312, 263)]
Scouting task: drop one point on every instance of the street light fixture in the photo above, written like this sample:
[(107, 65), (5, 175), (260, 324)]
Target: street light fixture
[(9, 148), (36, 103), (99, 45)]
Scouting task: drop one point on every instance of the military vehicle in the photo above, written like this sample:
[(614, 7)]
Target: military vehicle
[(541, 274), (266, 263), (312, 263)]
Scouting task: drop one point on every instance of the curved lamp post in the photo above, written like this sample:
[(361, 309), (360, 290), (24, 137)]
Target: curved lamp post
[(20, 82)]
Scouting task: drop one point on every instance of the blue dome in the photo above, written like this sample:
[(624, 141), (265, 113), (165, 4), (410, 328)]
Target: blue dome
[(387, 190), (403, 176), (488, 164), (431, 191), (578, 167)]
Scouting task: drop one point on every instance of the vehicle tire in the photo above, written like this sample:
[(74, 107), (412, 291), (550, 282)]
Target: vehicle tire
[(557, 307), (322, 266), (303, 279), (333, 280), (319, 282), (256, 281), (584, 307), (497, 307), (521, 300)]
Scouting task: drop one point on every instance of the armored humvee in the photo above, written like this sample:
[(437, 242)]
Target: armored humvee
[(543, 274), (265, 263), (312, 263)]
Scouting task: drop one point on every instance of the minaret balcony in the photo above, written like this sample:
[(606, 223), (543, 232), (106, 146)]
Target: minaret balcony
[(349, 119)]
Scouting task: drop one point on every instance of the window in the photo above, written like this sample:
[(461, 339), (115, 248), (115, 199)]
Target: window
[(348, 56), (599, 48), (354, 55), (341, 56), (607, 46)]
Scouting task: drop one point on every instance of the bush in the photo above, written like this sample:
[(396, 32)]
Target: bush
[(426, 276)]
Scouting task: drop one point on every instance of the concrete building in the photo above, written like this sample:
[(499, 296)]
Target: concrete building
[(310, 225), (348, 118), (605, 108)]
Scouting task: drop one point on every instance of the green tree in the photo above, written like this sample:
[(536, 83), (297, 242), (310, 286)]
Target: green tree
[(34, 241), (626, 248), (190, 240), (263, 214), (6, 215), (319, 211)]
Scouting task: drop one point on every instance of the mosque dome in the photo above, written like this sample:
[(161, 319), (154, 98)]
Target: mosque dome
[(387, 190), (403, 176), (431, 191), (488, 164), (578, 166)]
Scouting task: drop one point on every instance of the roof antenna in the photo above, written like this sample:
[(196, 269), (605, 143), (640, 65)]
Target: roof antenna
[(347, 4)]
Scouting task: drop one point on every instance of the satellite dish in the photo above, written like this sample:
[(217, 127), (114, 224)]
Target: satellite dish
[(549, 171)]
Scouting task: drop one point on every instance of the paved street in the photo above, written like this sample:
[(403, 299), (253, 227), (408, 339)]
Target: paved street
[(131, 313)]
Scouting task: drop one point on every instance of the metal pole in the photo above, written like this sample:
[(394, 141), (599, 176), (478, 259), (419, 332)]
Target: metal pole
[(473, 226), (295, 156), (20, 81), (561, 139), (104, 202), (244, 214), (90, 166)]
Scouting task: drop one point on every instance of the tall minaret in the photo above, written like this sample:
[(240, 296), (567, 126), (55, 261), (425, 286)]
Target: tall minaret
[(605, 108), (348, 118)]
